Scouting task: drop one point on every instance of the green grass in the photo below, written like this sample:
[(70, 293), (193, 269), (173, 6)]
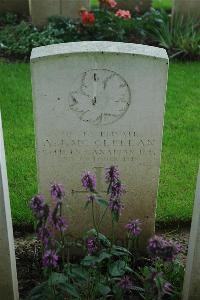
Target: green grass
[(180, 143), (16, 109), (165, 4)]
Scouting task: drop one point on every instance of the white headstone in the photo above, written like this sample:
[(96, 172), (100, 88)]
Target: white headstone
[(15, 6), (191, 288), (186, 9), (8, 274), (98, 104), (41, 10)]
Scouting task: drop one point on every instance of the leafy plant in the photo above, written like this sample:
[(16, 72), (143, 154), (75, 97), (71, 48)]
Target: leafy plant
[(181, 37), (106, 270)]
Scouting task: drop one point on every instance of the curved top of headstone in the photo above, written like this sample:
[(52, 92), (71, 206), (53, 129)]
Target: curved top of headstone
[(95, 47)]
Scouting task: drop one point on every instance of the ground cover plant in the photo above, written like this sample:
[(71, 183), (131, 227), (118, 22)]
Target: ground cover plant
[(180, 153), (180, 38), (105, 269)]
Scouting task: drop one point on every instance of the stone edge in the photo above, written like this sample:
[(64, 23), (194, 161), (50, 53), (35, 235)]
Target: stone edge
[(97, 47)]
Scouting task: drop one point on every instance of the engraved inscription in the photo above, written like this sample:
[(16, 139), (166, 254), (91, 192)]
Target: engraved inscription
[(100, 97), (107, 146)]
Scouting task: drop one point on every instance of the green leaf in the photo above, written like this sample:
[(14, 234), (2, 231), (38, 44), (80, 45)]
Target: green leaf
[(40, 292), (103, 255), (102, 202), (118, 268), (71, 290), (57, 279), (104, 290), (87, 204), (78, 273), (104, 240), (120, 251), (89, 260)]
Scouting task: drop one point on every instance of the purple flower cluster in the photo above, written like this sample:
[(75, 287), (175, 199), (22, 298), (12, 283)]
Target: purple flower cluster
[(44, 235), (50, 259), (60, 223), (134, 227), (91, 245), (37, 205), (49, 222), (126, 283), (168, 288), (164, 249), (88, 180), (112, 174), (115, 190), (116, 206), (57, 192)]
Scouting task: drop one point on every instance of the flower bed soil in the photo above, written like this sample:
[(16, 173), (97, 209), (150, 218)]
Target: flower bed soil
[(28, 256)]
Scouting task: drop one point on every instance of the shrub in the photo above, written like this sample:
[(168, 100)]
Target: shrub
[(180, 38)]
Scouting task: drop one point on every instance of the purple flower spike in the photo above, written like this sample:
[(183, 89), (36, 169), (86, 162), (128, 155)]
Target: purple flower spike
[(44, 235), (126, 283), (57, 192), (50, 259), (134, 227), (168, 288), (60, 223), (117, 189), (89, 181), (116, 206), (91, 245), (37, 205), (112, 174)]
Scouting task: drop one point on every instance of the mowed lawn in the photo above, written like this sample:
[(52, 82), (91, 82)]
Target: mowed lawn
[(181, 141), (165, 4)]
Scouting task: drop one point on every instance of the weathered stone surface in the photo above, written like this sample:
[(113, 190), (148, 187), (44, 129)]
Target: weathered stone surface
[(17, 6), (97, 104), (186, 8), (71, 8), (40, 11), (8, 275), (191, 289)]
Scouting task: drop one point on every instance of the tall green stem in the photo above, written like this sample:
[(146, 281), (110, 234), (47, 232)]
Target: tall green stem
[(94, 222)]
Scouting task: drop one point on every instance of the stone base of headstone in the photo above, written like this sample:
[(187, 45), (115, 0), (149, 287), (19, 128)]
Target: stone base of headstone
[(186, 9), (191, 288), (40, 11), (16, 6), (8, 275)]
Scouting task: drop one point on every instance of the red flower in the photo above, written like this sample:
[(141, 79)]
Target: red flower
[(125, 14), (87, 17)]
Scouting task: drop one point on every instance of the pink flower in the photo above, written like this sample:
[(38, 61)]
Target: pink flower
[(112, 3), (125, 14)]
